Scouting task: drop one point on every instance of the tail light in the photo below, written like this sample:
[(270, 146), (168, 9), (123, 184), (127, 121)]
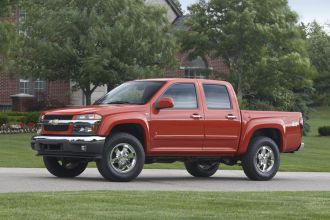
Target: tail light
[(301, 122)]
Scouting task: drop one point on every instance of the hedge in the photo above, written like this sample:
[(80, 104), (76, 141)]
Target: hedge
[(14, 117), (324, 131), (3, 119)]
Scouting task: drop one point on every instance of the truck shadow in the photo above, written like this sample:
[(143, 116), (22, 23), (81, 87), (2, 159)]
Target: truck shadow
[(156, 179)]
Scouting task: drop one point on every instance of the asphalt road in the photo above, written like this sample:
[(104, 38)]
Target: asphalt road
[(34, 180)]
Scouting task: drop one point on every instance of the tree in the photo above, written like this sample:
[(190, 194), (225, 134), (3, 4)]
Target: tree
[(262, 45), (7, 29), (94, 42), (178, 4), (318, 42)]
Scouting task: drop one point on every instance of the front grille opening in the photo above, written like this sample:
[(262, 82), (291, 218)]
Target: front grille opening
[(57, 127), (51, 147)]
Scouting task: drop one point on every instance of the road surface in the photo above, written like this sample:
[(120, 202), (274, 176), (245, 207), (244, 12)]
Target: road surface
[(39, 180)]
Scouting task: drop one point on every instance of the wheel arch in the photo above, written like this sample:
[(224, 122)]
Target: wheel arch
[(275, 131), (135, 125), (271, 133)]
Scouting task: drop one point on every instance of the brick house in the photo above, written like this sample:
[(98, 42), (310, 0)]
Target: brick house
[(61, 92), (53, 92)]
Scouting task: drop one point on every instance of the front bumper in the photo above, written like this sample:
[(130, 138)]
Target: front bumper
[(90, 147)]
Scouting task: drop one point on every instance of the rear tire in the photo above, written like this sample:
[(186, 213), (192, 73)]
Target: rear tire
[(201, 169), (64, 168), (122, 159), (262, 160)]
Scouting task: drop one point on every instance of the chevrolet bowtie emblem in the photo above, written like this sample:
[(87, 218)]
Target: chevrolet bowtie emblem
[(54, 122)]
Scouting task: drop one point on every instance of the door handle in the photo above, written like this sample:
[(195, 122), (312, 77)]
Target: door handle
[(196, 116), (231, 117)]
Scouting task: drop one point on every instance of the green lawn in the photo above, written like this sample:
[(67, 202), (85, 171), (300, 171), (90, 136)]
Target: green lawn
[(15, 150), (165, 205)]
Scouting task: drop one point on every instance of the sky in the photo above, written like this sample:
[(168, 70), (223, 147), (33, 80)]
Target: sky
[(308, 10)]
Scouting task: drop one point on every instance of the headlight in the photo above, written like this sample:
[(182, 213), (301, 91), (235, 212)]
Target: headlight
[(86, 128), (89, 117), (41, 118)]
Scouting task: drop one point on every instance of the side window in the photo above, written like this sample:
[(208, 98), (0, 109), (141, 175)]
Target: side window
[(216, 96), (183, 95)]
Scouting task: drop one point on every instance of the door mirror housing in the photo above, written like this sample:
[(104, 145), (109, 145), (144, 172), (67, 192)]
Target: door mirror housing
[(165, 102)]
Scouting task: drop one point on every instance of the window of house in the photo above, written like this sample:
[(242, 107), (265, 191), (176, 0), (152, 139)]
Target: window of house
[(183, 95), (24, 86), (39, 85), (216, 96), (196, 68)]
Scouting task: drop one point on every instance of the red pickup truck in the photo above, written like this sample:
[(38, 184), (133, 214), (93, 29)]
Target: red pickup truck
[(195, 121)]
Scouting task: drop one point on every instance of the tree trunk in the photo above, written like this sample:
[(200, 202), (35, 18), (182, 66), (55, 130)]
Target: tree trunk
[(88, 98), (109, 87), (88, 94)]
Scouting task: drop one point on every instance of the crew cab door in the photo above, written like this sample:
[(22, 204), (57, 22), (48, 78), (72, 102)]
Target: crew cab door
[(222, 118), (178, 130)]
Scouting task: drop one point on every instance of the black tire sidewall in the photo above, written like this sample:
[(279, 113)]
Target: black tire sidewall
[(194, 169), (249, 165), (52, 165), (107, 171)]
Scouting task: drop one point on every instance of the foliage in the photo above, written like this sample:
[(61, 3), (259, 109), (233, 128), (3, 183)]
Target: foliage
[(318, 42), (324, 131), (25, 117), (3, 119), (263, 47), (178, 4), (7, 29), (94, 42)]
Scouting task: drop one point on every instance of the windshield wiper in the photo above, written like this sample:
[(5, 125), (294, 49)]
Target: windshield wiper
[(119, 102)]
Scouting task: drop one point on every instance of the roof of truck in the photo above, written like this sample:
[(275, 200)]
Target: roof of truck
[(183, 80)]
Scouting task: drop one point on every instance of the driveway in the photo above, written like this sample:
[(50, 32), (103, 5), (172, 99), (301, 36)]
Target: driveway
[(38, 179)]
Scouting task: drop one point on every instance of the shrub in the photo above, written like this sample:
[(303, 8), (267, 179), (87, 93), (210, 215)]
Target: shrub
[(26, 117), (324, 131), (15, 119), (3, 119), (31, 117)]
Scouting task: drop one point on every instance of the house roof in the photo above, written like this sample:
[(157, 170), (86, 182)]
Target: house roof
[(179, 23), (174, 7)]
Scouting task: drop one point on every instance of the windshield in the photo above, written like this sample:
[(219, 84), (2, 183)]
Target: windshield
[(136, 92)]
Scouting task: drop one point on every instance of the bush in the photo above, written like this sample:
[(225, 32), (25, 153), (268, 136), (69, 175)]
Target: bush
[(14, 117), (324, 131), (31, 117), (3, 119)]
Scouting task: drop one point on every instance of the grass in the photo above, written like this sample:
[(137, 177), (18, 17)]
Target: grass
[(15, 150), (165, 205)]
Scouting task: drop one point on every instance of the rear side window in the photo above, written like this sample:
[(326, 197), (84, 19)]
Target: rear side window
[(216, 96), (183, 95)]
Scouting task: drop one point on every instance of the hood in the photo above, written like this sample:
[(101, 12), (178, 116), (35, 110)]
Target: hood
[(102, 110)]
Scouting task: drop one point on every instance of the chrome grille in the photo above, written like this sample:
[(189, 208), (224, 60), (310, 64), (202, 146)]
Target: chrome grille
[(57, 127)]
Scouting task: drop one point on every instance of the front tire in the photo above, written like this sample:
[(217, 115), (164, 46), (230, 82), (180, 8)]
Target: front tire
[(262, 160), (201, 169), (64, 168), (123, 158)]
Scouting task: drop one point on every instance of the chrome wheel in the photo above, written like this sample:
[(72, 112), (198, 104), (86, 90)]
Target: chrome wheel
[(264, 159), (122, 158)]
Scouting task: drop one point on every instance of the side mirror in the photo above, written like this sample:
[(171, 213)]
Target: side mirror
[(165, 102)]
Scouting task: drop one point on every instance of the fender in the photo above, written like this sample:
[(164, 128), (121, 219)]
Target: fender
[(250, 127), (110, 121)]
